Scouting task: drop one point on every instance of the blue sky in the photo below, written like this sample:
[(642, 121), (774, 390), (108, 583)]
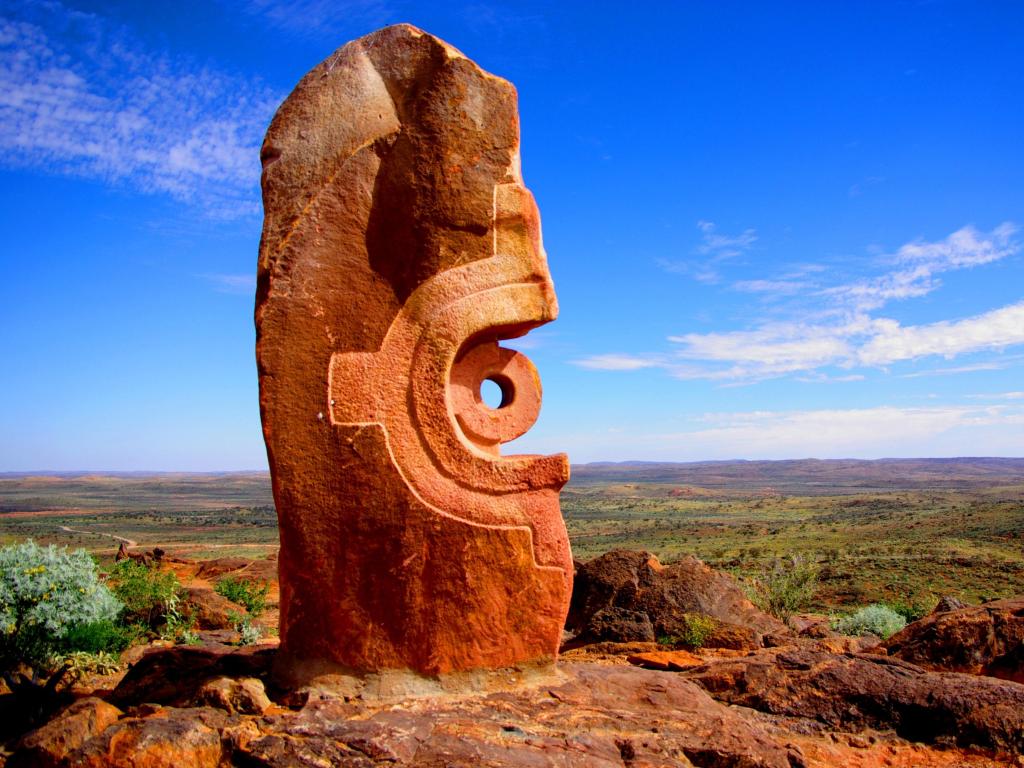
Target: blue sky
[(776, 230)]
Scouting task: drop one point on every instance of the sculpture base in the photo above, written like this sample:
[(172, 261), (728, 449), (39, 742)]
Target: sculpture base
[(319, 679)]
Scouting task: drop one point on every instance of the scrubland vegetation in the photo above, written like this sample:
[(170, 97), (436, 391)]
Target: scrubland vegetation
[(898, 533)]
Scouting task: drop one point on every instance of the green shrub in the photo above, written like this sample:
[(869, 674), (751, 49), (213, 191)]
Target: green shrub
[(785, 588), (147, 593), (45, 592), (695, 630), (251, 595), (915, 607), (876, 619), (82, 663), (104, 636), (249, 633)]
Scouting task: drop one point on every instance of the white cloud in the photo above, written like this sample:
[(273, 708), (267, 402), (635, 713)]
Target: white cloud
[(715, 248), (309, 18), (80, 97), (723, 246), (877, 432), (918, 263), (777, 287), (997, 329), (616, 362), (244, 284), (841, 327)]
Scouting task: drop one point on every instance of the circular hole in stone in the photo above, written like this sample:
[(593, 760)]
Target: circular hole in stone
[(496, 393)]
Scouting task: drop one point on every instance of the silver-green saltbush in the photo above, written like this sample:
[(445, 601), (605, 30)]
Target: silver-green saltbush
[(44, 592), (880, 620)]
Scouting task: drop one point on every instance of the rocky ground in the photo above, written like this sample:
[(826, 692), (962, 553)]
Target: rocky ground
[(946, 691)]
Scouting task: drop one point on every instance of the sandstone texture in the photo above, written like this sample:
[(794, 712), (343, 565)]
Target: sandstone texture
[(774, 707), (983, 639), (856, 691), (399, 247), (628, 596)]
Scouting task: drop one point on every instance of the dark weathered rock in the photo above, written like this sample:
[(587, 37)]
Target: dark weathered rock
[(618, 625), (982, 639), (949, 603), (49, 746), (668, 595), (174, 676), (208, 609), (857, 691), (399, 246)]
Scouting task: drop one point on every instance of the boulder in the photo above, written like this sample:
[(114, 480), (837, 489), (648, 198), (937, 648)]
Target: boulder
[(857, 691), (618, 625), (981, 639), (208, 609), (48, 746), (636, 582), (949, 603), (168, 738), (245, 695), (174, 676)]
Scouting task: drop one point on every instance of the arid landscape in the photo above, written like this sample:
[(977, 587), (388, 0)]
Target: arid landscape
[(657, 642), (899, 531)]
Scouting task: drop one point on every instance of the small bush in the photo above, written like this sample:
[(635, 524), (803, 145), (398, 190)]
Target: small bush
[(45, 592), (915, 607), (876, 619), (81, 663), (696, 629), (147, 593), (104, 636), (787, 587), (251, 595), (249, 633)]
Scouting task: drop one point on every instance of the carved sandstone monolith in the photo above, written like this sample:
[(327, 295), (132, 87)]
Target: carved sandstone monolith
[(399, 247)]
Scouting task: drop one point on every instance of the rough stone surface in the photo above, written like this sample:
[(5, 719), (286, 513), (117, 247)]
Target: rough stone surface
[(637, 582), (167, 738), (48, 746), (798, 708), (666, 661), (619, 625), (399, 246), (175, 676), (981, 639), (245, 695), (857, 691), (209, 609), (597, 717)]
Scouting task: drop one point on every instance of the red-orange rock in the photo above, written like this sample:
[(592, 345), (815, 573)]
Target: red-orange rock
[(49, 746), (981, 639), (666, 661), (399, 247)]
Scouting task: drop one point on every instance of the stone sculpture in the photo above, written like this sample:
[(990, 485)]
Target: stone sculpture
[(399, 247)]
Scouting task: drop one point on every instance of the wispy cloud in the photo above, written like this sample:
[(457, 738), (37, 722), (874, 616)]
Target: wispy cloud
[(918, 264), (714, 249), (876, 432), (79, 96), (312, 18), (244, 284), (842, 329), (614, 362)]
